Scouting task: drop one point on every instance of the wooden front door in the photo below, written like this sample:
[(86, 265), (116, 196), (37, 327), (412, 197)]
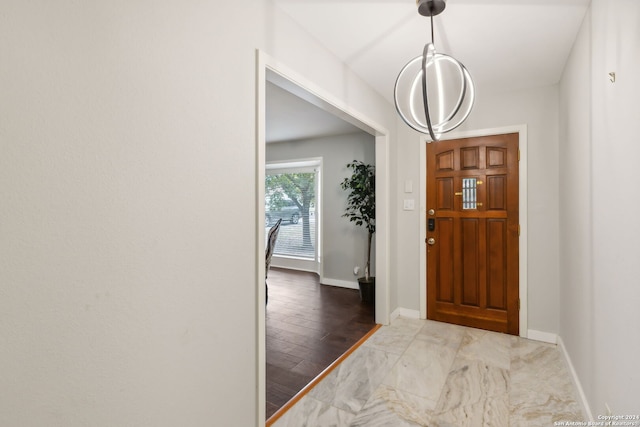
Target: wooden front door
[(472, 232)]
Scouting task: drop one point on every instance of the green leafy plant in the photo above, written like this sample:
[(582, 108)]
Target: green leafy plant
[(361, 201)]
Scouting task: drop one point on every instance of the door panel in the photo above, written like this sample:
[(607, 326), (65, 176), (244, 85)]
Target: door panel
[(472, 254), (444, 227), (497, 193), (470, 265), (445, 161), (496, 257), (470, 158), (444, 194), (496, 157)]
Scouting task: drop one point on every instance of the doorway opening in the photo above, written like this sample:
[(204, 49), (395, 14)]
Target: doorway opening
[(271, 72)]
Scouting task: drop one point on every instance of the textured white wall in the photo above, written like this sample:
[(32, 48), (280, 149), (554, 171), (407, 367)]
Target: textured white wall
[(128, 141), (344, 244)]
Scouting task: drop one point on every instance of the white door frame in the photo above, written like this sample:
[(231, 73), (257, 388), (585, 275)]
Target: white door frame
[(521, 130), (292, 81)]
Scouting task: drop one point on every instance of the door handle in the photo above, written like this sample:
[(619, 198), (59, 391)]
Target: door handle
[(431, 241)]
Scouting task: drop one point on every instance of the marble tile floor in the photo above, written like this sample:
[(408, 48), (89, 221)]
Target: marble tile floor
[(426, 373)]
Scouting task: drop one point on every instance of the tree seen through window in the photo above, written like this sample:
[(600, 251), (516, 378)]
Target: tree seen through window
[(292, 198)]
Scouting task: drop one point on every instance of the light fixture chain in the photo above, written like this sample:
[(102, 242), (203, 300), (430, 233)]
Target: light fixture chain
[(433, 42)]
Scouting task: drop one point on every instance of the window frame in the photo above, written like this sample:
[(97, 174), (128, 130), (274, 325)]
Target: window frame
[(301, 166)]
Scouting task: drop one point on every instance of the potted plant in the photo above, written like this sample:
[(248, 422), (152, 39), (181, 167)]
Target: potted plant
[(361, 209)]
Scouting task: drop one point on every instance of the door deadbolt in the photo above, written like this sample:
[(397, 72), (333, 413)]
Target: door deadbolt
[(431, 241)]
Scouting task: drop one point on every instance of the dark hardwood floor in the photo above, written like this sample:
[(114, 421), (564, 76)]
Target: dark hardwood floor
[(308, 326)]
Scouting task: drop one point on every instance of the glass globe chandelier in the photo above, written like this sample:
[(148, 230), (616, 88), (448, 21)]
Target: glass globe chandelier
[(434, 92)]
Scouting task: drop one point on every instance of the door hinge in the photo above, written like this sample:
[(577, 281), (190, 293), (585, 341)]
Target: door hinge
[(518, 154), (518, 230), (518, 304)]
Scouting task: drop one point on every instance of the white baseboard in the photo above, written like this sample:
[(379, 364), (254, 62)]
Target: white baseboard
[(405, 312), (547, 337), (576, 381), (339, 283), (292, 263)]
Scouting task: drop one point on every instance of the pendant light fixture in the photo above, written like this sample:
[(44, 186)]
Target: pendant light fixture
[(434, 93)]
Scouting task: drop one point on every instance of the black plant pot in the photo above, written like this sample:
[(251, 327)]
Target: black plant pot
[(367, 290)]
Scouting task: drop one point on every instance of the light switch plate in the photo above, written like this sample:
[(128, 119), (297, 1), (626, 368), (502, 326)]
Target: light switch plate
[(409, 204)]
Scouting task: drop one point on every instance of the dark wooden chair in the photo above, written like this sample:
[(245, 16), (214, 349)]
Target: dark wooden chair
[(271, 244)]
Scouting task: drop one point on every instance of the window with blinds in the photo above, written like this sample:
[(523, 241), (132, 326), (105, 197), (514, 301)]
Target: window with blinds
[(291, 195)]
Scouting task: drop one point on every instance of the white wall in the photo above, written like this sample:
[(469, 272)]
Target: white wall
[(117, 129), (538, 109), (128, 141), (616, 230), (344, 244), (407, 250), (576, 241), (601, 296)]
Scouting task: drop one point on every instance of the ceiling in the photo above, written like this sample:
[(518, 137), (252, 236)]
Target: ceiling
[(291, 118), (505, 44)]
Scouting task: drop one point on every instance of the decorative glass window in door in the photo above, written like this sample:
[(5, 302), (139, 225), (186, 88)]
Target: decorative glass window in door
[(469, 193)]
